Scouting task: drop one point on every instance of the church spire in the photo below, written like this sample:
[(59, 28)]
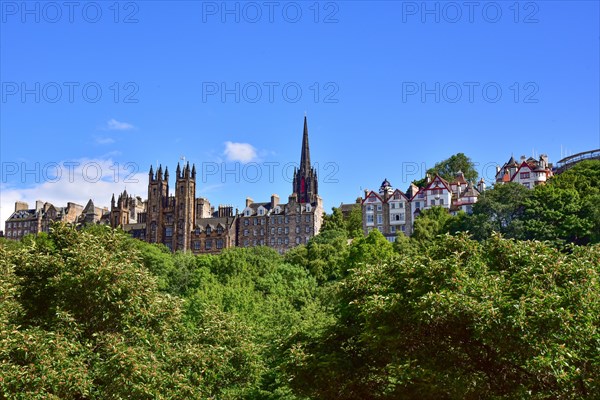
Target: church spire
[(305, 157), (305, 177)]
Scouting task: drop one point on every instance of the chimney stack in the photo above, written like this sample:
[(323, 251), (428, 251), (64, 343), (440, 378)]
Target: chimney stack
[(21, 205), (274, 200), (249, 201)]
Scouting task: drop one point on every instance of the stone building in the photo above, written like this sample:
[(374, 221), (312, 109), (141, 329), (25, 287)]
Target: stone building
[(25, 220), (529, 172), (388, 211), (285, 225), (214, 233)]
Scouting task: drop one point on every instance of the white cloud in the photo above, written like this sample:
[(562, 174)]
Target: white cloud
[(95, 179), (243, 152), (104, 140), (115, 125)]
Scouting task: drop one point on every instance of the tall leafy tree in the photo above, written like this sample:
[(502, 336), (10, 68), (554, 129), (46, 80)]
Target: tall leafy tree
[(449, 167), (461, 320)]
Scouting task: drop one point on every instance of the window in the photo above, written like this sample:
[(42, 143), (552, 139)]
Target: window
[(287, 230), (379, 219), (262, 231), (272, 231), (297, 240), (392, 205), (246, 222), (308, 229), (397, 217), (254, 232), (272, 241), (524, 175), (393, 229), (287, 219), (260, 211), (441, 202), (219, 243), (219, 229), (196, 245), (308, 208), (154, 208), (208, 244), (306, 239), (169, 231), (417, 204), (279, 231), (245, 242), (280, 220), (432, 202), (247, 213), (245, 232), (378, 207), (255, 221), (208, 230), (286, 240), (403, 228), (278, 240), (297, 219), (272, 220), (370, 207), (307, 219), (370, 218), (297, 229)]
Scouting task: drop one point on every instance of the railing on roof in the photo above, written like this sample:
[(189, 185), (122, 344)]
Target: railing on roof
[(568, 162)]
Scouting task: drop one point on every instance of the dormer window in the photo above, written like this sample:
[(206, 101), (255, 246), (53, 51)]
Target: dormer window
[(308, 208), (260, 211), (247, 213)]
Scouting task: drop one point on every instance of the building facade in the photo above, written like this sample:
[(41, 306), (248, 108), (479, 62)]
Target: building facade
[(393, 212), (25, 220), (283, 226), (388, 211), (528, 172)]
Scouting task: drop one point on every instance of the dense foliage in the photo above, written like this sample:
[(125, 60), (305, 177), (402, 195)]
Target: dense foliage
[(448, 168), (486, 313)]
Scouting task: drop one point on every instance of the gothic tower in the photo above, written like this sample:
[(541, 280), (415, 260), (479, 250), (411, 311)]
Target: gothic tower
[(185, 197), (158, 196), (305, 177), (119, 210)]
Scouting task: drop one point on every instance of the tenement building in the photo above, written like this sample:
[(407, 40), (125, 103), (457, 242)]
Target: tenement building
[(285, 225), (529, 172), (393, 212), (25, 220)]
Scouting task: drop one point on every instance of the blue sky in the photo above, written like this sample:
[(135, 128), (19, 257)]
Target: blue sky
[(92, 95)]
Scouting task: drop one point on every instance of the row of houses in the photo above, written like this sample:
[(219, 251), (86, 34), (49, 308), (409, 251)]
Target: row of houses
[(25, 220), (392, 211)]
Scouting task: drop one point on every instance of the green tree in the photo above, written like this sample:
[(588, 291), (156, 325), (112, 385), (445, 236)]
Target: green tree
[(461, 320), (448, 168), (431, 223), (500, 209), (86, 320)]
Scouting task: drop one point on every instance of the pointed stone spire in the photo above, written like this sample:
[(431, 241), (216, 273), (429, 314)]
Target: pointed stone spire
[(112, 201), (159, 174), (305, 156), (167, 173), (178, 171), (151, 173), (193, 171), (187, 170)]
